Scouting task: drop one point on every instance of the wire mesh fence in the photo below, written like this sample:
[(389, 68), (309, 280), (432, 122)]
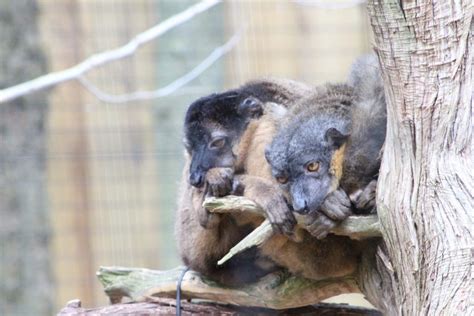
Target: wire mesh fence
[(108, 172)]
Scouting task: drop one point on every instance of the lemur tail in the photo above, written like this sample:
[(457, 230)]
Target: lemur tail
[(366, 80), (369, 113), (365, 77)]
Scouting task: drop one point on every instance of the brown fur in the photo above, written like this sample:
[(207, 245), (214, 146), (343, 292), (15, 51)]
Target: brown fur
[(315, 259), (204, 238), (309, 257), (351, 115), (337, 165)]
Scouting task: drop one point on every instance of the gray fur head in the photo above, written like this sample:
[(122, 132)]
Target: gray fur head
[(352, 114), (301, 153)]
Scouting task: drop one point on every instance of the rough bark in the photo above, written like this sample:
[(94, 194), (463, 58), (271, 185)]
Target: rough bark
[(425, 192), (26, 283)]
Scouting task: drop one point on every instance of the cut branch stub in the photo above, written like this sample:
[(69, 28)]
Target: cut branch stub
[(355, 227)]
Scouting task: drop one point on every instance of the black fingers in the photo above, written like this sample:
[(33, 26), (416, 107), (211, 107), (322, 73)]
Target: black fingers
[(207, 219), (238, 187), (318, 224), (366, 201), (280, 216), (337, 205), (219, 181), (283, 224)]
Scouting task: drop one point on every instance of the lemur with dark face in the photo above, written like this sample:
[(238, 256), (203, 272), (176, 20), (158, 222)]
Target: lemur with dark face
[(326, 155), (223, 132), (226, 135)]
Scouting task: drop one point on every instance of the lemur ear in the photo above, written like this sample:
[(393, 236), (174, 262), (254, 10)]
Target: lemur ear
[(335, 138), (250, 107)]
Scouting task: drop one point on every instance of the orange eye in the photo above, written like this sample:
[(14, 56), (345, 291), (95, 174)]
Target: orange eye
[(282, 179), (312, 166)]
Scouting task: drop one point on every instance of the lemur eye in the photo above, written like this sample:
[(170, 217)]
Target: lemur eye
[(282, 179), (312, 166), (217, 143)]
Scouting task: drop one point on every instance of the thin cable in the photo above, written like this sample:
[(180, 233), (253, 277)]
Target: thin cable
[(178, 292)]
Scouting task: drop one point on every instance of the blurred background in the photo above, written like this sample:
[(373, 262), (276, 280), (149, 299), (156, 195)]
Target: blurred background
[(85, 183)]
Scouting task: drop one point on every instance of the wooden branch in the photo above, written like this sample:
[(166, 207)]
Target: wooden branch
[(257, 237), (355, 227), (106, 57), (279, 290), (166, 306)]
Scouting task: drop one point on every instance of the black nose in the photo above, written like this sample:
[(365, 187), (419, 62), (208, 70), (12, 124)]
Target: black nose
[(196, 179), (300, 206)]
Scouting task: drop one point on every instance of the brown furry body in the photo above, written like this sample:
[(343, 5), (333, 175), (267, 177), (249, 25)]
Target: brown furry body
[(204, 238), (338, 131)]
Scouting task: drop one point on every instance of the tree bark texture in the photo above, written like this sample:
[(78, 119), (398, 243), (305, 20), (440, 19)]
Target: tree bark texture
[(25, 278), (425, 191)]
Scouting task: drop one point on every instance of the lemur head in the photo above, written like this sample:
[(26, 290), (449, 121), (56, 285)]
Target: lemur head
[(213, 126), (306, 158)]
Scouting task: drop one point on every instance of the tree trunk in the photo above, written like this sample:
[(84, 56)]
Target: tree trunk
[(25, 279), (425, 201)]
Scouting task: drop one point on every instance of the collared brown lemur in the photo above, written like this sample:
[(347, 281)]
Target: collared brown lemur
[(225, 138), (327, 153)]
